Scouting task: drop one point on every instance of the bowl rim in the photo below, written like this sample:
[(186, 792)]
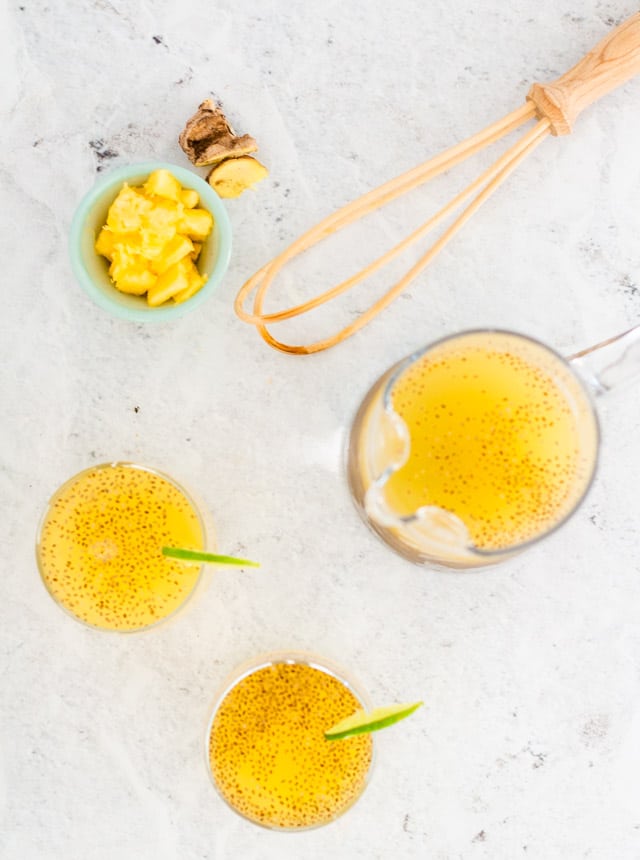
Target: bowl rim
[(116, 177)]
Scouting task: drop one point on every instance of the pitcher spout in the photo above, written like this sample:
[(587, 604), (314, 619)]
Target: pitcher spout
[(432, 532)]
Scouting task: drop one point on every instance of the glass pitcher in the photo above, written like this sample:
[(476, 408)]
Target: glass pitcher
[(476, 447)]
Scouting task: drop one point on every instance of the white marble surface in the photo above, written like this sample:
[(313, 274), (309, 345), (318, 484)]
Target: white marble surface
[(530, 744)]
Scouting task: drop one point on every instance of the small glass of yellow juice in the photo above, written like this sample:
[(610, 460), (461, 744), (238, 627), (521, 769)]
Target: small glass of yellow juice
[(266, 750), (99, 547)]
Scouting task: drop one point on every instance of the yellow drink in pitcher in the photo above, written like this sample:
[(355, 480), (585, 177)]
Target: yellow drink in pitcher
[(100, 546), (497, 427), (268, 755)]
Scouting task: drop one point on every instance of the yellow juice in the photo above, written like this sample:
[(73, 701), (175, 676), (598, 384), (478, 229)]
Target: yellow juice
[(268, 754), (100, 547), (501, 435)]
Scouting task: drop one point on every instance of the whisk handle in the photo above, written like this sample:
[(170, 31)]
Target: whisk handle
[(611, 63)]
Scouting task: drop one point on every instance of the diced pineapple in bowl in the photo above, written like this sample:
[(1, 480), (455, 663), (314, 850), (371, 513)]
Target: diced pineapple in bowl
[(150, 242)]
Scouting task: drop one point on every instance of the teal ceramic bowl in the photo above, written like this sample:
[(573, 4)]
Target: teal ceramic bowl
[(92, 270)]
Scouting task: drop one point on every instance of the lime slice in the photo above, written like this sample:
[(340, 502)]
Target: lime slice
[(362, 722), (208, 557)]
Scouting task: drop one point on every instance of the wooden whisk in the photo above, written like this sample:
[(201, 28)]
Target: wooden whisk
[(556, 106)]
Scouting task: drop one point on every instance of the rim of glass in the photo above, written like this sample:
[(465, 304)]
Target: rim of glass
[(292, 657), (566, 363), (112, 465)]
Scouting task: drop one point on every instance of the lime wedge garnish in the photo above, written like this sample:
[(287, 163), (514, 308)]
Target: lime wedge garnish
[(363, 721), (208, 557)]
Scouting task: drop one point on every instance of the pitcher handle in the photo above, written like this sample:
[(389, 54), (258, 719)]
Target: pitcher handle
[(610, 364)]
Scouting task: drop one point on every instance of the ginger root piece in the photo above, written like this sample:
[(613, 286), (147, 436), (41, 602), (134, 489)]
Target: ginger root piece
[(208, 138), (235, 175)]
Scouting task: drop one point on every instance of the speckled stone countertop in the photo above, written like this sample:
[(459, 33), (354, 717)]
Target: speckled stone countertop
[(530, 742)]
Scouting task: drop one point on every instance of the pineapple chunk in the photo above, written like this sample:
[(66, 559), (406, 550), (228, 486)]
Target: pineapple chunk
[(173, 281), (162, 183), (136, 280), (129, 210), (122, 260), (163, 218), (149, 244), (128, 243), (129, 272), (196, 223), (189, 198), (195, 279), (175, 249), (197, 247), (104, 243)]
